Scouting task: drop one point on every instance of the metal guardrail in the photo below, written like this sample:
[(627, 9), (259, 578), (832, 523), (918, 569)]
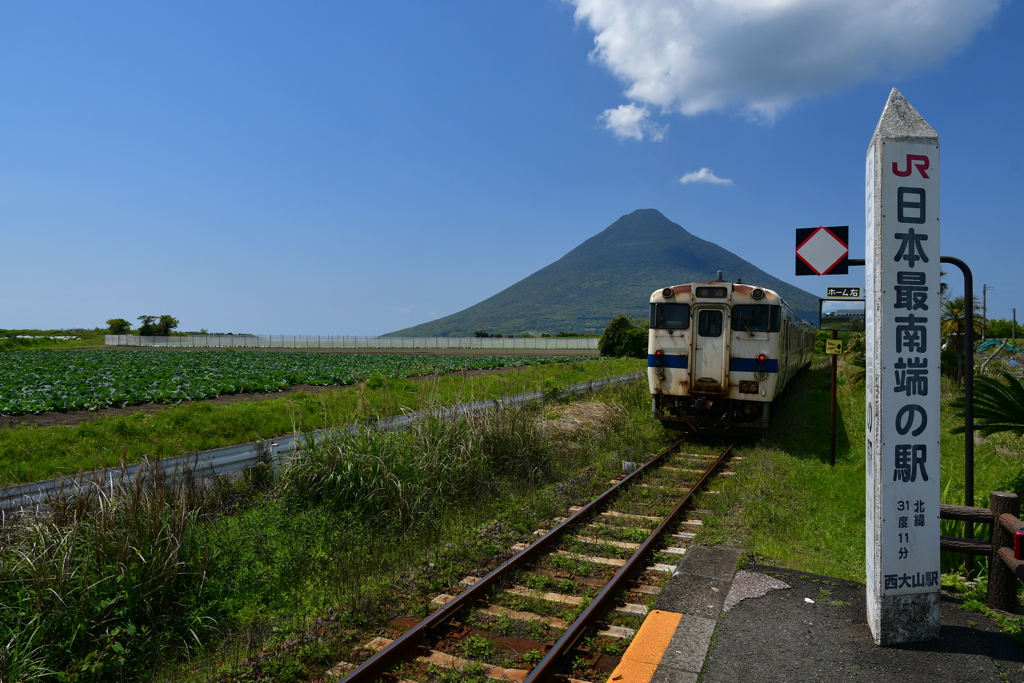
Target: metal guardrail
[(230, 459), (292, 341)]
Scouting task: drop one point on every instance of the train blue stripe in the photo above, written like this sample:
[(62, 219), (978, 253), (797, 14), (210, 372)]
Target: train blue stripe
[(735, 364), (751, 365), (668, 361)]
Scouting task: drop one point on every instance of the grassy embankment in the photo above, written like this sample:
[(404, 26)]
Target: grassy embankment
[(30, 453), (44, 339), (788, 508), (280, 579)]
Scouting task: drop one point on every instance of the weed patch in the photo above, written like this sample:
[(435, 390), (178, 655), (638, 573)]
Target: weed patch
[(272, 577)]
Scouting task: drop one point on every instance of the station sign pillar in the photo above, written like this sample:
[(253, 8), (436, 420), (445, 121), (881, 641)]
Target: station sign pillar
[(903, 384)]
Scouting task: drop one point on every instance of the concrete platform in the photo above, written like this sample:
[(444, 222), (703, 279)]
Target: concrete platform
[(689, 605), (788, 626)]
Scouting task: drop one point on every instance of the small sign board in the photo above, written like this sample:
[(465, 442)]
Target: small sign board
[(823, 251), (845, 315), (833, 346), (843, 292)]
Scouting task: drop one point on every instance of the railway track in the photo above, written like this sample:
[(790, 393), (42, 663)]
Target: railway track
[(563, 606)]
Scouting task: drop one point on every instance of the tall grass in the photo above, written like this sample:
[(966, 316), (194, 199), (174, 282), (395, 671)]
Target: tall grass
[(114, 585), (103, 582), (787, 506), (404, 475)]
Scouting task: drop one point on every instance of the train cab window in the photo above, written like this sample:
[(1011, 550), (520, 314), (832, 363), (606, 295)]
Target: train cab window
[(709, 323), (756, 318), (670, 316)]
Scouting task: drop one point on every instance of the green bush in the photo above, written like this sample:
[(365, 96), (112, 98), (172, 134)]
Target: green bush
[(119, 326), (1013, 483), (624, 337)]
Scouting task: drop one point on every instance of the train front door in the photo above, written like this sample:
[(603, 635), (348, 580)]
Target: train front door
[(710, 352)]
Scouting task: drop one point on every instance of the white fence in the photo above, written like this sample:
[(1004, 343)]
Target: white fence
[(288, 341)]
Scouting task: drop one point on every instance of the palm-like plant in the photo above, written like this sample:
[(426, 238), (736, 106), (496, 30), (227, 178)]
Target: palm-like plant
[(954, 328), (998, 405)]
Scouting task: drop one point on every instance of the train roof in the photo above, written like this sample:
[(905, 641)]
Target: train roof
[(737, 288), (770, 295)]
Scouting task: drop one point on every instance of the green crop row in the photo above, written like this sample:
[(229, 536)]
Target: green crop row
[(45, 380)]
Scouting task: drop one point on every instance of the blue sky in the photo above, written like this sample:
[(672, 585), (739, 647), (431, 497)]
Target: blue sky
[(355, 168)]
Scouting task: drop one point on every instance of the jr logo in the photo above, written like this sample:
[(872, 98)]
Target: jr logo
[(913, 160)]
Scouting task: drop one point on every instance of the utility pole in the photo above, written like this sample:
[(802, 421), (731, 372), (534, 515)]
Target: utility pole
[(984, 311), (1015, 326)]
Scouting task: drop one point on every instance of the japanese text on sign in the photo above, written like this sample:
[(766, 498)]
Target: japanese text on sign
[(906, 337)]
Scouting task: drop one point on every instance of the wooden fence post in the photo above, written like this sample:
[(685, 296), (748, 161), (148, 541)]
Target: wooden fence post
[(1002, 583)]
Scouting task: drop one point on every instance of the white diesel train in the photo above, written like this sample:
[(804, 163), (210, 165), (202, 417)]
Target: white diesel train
[(720, 352)]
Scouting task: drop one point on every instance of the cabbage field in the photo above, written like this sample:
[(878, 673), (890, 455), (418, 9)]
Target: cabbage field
[(41, 381)]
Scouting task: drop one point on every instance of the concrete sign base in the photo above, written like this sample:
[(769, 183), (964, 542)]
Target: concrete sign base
[(896, 619)]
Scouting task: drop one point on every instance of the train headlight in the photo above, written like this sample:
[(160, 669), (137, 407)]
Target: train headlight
[(757, 293), (748, 387), (762, 358), (659, 358), (668, 292)]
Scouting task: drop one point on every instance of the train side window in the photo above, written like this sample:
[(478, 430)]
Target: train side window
[(709, 323), (670, 316), (756, 318)]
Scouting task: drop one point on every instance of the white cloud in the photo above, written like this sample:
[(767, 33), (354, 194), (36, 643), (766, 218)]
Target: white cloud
[(694, 56), (704, 175), (631, 121)]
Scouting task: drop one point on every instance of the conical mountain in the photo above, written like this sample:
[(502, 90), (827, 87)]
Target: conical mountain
[(612, 273)]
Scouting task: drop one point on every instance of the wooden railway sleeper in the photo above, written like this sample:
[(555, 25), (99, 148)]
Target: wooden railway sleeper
[(570, 641), (395, 652)]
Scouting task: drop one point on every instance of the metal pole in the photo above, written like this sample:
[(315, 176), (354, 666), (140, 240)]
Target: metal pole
[(968, 396), (832, 437), (968, 383)]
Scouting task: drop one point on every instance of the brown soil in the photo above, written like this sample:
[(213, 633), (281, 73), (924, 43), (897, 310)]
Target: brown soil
[(74, 417)]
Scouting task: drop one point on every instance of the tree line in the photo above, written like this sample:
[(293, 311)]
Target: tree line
[(149, 325)]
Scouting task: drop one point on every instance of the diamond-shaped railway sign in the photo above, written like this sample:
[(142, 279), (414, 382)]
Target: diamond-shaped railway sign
[(822, 251)]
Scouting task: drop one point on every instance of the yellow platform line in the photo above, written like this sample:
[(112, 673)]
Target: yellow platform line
[(645, 652)]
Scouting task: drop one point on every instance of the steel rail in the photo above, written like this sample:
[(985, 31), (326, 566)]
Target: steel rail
[(230, 459), (549, 666), (406, 645)]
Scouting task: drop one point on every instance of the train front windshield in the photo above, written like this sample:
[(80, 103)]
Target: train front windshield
[(755, 318), (670, 316)]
